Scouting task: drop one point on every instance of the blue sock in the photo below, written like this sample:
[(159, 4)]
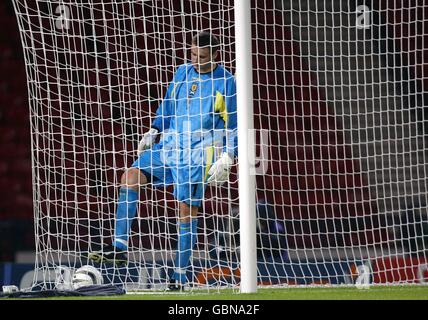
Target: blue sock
[(187, 238), (125, 213)]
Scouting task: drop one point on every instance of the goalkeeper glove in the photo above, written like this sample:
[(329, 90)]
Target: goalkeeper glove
[(219, 172), (147, 140)]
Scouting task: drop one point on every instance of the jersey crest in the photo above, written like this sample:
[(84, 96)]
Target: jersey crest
[(193, 89)]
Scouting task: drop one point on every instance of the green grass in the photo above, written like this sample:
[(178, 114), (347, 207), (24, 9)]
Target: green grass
[(323, 293)]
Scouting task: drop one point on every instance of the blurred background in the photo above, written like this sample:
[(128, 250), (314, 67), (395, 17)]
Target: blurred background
[(16, 208)]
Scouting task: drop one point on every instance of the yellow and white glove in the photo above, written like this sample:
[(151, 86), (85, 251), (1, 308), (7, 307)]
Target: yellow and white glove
[(147, 141), (219, 172)]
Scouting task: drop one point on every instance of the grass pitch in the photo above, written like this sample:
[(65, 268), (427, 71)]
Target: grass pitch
[(411, 292)]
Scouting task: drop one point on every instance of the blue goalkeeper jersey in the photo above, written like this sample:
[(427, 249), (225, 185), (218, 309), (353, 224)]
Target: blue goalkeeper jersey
[(198, 111)]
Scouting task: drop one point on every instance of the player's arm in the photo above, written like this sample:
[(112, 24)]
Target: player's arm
[(231, 122), (162, 118), (165, 110), (219, 172)]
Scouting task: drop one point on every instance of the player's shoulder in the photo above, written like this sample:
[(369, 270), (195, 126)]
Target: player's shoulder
[(182, 68), (222, 72), (181, 72)]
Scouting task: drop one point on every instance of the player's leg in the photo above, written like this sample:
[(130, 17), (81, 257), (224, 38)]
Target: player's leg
[(189, 188), (126, 210), (131, 182), (187, 236), (147, 168)]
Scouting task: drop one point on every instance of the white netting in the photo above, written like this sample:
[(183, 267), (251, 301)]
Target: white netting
[(339, 109)]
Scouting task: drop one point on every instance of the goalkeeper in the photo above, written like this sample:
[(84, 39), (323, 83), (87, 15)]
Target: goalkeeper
[(196, 122)]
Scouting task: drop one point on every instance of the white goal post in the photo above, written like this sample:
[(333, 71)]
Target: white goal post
[(247, 194), (334, 89)]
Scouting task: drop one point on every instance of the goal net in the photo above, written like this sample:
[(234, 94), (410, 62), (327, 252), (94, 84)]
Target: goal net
[(341, 175)]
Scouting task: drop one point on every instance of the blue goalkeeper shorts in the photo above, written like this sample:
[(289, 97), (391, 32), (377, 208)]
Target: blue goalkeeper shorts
[(187, 177)]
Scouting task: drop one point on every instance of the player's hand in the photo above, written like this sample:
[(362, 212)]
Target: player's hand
[(147, 141), (219, 172)]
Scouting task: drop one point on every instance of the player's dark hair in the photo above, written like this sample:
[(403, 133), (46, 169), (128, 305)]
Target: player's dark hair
[(206, 39)]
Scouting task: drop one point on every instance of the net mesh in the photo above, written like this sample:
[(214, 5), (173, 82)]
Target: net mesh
[(340, 135)]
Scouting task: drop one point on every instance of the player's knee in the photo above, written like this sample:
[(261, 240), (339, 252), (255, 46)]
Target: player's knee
[(187, 212), (133, 178)]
